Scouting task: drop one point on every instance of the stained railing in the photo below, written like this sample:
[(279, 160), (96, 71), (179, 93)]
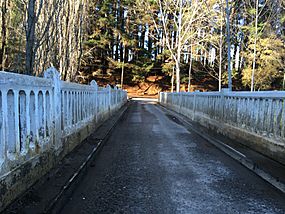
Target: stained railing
[(261, 113), (36, 113)]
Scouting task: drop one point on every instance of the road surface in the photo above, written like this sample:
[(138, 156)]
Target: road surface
[(153, 164)]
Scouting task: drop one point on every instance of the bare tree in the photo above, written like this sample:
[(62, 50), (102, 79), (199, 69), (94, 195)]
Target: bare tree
[(57, 37), (4, 29), (255, 40), (177, 17)]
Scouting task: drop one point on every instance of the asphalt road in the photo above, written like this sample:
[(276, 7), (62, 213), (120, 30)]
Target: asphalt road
[(152, 164)]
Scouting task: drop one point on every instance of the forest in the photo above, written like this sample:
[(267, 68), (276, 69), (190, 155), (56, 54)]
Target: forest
[(174, 45)]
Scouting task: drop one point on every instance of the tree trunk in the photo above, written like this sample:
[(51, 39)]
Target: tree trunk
[(117, 48), (4, 34), (122, 74), (221, 55), (30, 37), (190, 69), (172, 79), (284, 81), (179, 47), (229, 48), (122, 24), (149, 44), (254, 49), (142, 40), (177, 63)]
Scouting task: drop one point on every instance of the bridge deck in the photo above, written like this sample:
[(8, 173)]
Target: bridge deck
[(154, 163)]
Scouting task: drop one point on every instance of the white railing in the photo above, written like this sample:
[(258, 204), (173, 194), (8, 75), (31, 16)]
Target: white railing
[(36, 113), (261, 113)]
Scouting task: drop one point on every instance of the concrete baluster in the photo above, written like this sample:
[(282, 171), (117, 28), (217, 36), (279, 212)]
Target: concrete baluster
[(11, 137), (4, 140), (1, 130), (74, 108), (76, 120), (283, 120), (28, 122), (88, 105), (49, 113), (82, 105), (116, 96), (17, 122), (45, 114), (36, 118), (67, 109)]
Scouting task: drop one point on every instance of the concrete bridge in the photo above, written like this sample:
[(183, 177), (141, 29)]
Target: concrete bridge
[(69, 148)]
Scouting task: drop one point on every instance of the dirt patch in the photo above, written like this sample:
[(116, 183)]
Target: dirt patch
[(174, 119)]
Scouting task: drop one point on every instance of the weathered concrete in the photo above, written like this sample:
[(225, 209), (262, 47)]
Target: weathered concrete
[(270, 170), (255, 119), (51, 192), (43, 119), (153, 163)]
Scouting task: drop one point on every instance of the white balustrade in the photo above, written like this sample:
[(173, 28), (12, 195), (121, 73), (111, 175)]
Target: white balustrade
[(261, 113), (36, 113)]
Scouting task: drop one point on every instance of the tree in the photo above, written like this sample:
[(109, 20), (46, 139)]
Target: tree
[(174, 19), (260, 29), (270, 54), (4, 7), (229, 47), (38, 34)]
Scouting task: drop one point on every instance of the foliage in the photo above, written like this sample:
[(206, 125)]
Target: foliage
[(89, 39), (269, 63)]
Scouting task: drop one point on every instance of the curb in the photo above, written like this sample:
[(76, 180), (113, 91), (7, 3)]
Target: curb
[(59, 200), (248, 163)]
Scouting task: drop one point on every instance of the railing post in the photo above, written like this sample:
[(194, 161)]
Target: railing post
[(108, 87), (116, 96), (95, 86), (165, 97), (180, 98), (194, 104), (223, 102), (54, 75)]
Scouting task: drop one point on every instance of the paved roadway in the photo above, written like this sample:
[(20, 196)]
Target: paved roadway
[(152, 164)]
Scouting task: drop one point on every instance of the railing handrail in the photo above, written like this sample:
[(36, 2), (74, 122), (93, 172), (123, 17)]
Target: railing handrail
[(245, 94), (9, 80)]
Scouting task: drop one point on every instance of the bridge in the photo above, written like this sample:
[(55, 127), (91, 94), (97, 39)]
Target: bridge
[(71, 148)]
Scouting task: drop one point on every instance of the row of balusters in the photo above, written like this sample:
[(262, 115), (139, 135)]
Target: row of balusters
[(261, 115), (26, 116)]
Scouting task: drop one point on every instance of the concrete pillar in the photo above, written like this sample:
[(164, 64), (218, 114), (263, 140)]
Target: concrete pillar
[(160, 97), (109, 89), (54, 76), (194, 103), (116, 96), (95, 97), (223, 102)]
